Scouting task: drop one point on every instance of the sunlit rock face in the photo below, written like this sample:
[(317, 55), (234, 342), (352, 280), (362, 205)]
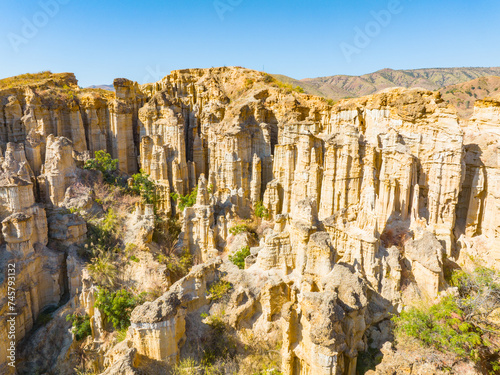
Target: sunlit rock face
[(360, 196)]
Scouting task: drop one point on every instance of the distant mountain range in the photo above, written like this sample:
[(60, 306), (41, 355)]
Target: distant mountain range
[(459, 86), (104, 87)]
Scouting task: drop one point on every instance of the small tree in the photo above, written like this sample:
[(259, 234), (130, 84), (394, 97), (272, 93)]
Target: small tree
[(187, 200), (239, 257), (105, 163), (459, 324), (261, 210), (442, 326), (166, 234), (117, 306), (81, 326), (143, 186)]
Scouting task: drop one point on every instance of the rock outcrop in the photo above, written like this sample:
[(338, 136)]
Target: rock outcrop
[(359, 198)]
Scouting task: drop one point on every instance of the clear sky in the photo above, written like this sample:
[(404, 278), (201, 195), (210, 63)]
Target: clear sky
[(144, 40)]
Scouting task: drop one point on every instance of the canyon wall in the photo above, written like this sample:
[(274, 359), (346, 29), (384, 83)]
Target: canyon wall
[(358, 193)]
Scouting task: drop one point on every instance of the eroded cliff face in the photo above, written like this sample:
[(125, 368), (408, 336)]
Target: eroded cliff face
[(41, 272), (478, 207), (92, 119), (363, 196)]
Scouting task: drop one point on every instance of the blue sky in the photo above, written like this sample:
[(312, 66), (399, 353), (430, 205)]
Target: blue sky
[(146, 39)]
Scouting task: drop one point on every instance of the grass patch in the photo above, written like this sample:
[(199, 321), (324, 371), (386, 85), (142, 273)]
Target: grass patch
[(121, 334), (25, 79), (177, 265)]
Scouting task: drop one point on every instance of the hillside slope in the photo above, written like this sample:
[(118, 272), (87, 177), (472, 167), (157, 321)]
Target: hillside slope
[(463, 95), (343, 86)]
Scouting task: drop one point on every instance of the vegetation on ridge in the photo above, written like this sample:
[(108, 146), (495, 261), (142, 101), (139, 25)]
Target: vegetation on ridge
[(26, 79)]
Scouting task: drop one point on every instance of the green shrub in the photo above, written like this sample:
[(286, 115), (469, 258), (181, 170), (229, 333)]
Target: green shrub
[(187, 200), (480, 281), (218, 290), (443, 327), (458, 324), (110, 222), (143, 186), (239, 228), (104, 163), (239, 257), (249, 82), (130, 247), (102, 233), (81, 326), (117, 306), (133, 258), (288, 87), (260, 210)]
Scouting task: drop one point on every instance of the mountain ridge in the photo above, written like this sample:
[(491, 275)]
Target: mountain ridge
[(338, 87)]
